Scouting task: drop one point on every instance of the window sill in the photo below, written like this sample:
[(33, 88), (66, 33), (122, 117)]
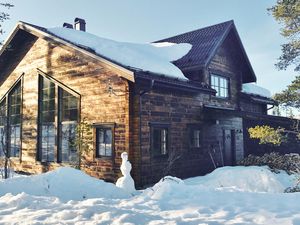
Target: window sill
[(104, 158)]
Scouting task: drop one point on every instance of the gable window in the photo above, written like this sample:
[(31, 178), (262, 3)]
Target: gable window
[(47, 110), (104, 140), (220, 84), (68, 122), (14, 118), (58, 118), (10, 122), (159, 139), (3, 127)]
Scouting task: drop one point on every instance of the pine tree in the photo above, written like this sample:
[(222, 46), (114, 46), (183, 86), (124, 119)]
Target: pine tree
[(287, 13)]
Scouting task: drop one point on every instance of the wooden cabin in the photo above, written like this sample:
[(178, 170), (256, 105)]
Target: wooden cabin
[(182, 127)]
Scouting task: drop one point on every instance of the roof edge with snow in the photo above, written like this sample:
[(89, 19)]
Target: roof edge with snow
[(43, 33)]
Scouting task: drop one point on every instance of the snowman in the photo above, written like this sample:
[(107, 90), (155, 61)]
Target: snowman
[(126, 182)]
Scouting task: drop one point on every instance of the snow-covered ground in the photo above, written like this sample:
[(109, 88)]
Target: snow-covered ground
[(229, 195)]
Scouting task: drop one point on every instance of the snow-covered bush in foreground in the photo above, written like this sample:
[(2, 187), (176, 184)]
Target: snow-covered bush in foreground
[(288, 162)]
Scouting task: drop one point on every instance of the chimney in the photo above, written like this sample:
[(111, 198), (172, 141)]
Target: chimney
[(79, 24), (68, 25)]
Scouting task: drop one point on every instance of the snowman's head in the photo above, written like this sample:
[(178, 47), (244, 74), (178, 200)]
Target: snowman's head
[(124, 156)]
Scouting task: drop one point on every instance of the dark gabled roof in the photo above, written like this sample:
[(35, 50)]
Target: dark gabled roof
[(205, 43)]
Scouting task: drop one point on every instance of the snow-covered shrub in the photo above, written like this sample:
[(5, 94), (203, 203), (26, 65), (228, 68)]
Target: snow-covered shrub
[(292, 189), (288, 162)]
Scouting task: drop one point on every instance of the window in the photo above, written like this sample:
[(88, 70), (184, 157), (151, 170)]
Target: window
[(221, 85), (47, 128), (3, 127), (14, 121), (68, 122), (159, 140), (58, 118), (195, 137), (104, 140), (10, 121)]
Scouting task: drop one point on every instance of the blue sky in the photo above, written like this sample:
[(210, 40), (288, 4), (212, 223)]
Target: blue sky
[(147, 21)]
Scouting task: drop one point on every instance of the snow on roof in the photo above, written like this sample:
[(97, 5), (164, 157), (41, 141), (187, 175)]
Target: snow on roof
[(252, 88), (147, 57)]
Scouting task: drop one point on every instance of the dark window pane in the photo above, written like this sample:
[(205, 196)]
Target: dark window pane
[(46, 122), (68, 120), (68, 148), (14, 121), (47, 142), (159, 141), (195, 138), (69, 106), (104, 139)]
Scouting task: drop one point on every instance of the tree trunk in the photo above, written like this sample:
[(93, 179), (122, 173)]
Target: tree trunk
[(6, 168)]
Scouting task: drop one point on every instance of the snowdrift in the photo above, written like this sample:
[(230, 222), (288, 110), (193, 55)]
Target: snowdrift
[(64, 183), (229, 195)]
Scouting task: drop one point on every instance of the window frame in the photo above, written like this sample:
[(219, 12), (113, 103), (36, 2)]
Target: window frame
[(191, 129), (5, 98), (219, 87), (160, 126), (59, 86), (105, 126)]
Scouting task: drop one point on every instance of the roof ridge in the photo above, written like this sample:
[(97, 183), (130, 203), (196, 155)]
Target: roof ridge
[(229, 22)]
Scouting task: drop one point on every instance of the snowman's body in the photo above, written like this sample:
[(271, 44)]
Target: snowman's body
[(126, 182)]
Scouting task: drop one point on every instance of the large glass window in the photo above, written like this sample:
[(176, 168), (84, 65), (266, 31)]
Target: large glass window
[(159, 140), (3, 127), (14, 119), (68, 121), (58, 110), (220, 84), (47, 128)]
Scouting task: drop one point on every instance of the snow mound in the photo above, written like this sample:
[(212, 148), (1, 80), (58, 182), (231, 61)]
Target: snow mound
[(247, 179), (228, 179), (255, 89), (64, 183), (147, 57), (168, 187)]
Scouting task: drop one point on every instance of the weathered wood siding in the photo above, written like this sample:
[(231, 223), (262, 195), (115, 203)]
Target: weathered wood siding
[(88, 77), (180, 110), (227, 63), (253, 107)]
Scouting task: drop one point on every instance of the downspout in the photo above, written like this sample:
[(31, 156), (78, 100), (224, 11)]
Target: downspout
[(140, 119)]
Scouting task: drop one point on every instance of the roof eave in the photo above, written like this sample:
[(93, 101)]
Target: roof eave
[(168, 82)]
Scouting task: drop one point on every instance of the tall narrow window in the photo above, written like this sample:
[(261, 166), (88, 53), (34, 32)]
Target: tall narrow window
[(104, 141), (47, 128), (3, 127), (220, 84), (14, 119), (159, 140), (195, 137), (68, 121)]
